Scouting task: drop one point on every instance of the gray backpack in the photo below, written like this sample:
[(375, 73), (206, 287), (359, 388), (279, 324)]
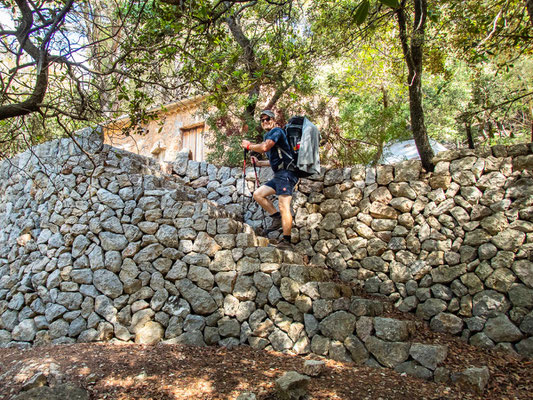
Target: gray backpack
[(304, 139)]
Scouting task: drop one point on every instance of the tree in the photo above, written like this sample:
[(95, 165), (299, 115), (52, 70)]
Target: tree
[(365, 19), (372, 102), (34, 39), (59, 63), (412, 47), (242, 54), (494, 38)]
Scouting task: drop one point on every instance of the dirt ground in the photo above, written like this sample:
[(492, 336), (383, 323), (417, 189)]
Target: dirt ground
[(130, 371)]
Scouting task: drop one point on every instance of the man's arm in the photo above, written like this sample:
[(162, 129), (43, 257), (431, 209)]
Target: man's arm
[(260, 163), (262, 147)]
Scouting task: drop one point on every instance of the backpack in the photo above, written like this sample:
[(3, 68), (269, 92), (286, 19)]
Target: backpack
[(303, 138)]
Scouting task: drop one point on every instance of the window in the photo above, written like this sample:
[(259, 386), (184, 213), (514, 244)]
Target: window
[(193, 139)]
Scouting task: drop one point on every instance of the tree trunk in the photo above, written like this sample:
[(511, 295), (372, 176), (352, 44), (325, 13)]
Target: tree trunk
[(529, 5), (468, 128), (531, 113), (490, 129), (39, 54), (385, 96), (413, 52), (251, 64)]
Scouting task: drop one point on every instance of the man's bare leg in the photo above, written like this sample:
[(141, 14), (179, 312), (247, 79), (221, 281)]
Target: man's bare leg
[(261, 194), (285, 211)]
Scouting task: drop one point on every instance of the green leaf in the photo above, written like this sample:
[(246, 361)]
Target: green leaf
[(362, 12), (391, 3)]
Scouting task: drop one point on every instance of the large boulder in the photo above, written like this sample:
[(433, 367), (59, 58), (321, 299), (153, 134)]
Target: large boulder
[(389, 354), (501, 329), (430, 356), (338, 325), (108, 283), (201, 301), (59, 392), (292, 386)]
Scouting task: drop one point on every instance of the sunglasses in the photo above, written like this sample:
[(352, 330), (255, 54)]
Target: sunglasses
[(265, 119)]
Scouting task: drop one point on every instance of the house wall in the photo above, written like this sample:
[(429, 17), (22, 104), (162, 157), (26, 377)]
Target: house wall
[(162, 138)]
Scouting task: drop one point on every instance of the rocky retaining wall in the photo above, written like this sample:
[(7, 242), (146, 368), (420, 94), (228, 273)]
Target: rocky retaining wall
[(453, 246), (107, 253), (107, 249)]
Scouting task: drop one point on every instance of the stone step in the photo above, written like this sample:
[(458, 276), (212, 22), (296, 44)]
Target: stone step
[(270, 254), (305, 273)]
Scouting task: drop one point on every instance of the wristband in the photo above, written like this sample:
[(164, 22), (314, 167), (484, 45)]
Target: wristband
[(248, 147)]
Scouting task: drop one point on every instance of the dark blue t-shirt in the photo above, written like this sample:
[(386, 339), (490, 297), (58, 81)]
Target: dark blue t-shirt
[(275, 156)]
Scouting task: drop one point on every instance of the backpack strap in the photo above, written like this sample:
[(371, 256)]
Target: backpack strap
[(291, 166)]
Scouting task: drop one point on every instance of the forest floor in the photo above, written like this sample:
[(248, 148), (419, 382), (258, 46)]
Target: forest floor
[(131, 371)]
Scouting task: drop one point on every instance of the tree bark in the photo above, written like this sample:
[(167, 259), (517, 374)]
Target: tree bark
[(40, 56), (413, 52), (531, 116), (468, 128), (251, 64), (385, 96)]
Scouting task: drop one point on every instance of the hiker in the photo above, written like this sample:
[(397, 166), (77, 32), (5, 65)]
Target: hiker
[(284, 180)]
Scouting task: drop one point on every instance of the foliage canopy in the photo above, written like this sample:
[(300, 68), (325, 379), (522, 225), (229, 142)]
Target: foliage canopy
[(366, 71)]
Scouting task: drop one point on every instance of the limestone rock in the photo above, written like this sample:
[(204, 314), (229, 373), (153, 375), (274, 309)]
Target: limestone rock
[(501, 329), (524, 270), (108, 283), (474, 379), (200, 300), (113, 241), (37, 380), (392, 330), (525, 347), (413, 369), (25, 331), (167, 235), (357, 349), (313, 367), (149, 253), (338, 325), (151, 333), (489, 303), (429, 356), (430, 308), (246, 396), (448, 323), (59, 392), (280, 340), (205, 244), (109, 199), (292, 386), (389, 354)]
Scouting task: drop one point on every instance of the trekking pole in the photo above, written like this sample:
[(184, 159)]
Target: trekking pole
[(244, 181), (255, 171), (263, 221)]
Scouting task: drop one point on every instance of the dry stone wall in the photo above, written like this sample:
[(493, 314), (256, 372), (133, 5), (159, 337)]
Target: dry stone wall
[(108, 248), (453, 246)]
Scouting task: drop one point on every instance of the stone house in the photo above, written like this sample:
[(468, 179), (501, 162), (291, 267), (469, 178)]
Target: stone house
[(178, 126)]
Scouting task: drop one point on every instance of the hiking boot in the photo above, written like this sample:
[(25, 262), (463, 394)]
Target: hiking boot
[(284, 244), (274, 226)]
